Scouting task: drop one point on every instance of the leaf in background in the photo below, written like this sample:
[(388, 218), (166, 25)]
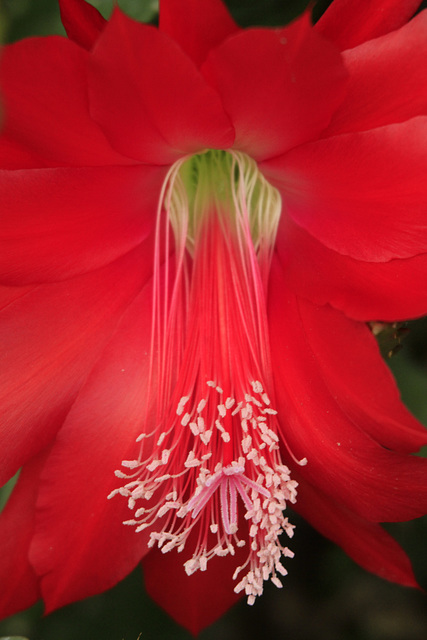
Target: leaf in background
[(143, 11), (389, 336)]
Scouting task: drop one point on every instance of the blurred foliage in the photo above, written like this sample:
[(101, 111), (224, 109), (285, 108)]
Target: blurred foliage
[(409, 368), (2, 24), (27, 17), (144, 11), (326, 596)]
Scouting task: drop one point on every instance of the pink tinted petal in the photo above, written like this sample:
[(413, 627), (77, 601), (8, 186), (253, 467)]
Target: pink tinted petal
[(82, 22), (100, 431), (348, 23), (16, 530), (358, 378), (51, 336), (197, 27), (365, 542), (386, 80), (361, 194), (269, 80), (44, 91), (56, 223), (153, 112), (194, 601), (343, 460), (387, 291)]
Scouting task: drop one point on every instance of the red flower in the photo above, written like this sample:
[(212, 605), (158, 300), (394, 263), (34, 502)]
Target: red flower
[(198, 222)]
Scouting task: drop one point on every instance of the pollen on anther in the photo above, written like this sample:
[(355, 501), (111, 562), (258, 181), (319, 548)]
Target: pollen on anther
[(237, 408), (222, 410), (131, 464), (271, 412), (161, 438), (257, 386), (205, 438), (265, 398), (201, 405), (191, 460), (229, 403), (246, 444), (186, 419), (181, 404), (194, 428)]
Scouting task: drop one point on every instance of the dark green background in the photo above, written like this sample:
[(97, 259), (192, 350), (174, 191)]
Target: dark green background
[(326, 596)]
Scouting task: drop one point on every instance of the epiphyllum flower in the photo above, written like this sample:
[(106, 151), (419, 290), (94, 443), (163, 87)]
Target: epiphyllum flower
[(198, 222)]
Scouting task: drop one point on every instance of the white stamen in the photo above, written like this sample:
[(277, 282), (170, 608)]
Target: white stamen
[(201, 405), (257, 386), (181, 404), (131, 464), (222, 410), (186, 419)]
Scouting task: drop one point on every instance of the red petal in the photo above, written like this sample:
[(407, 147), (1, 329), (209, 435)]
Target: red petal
[(20, 583), (344, 462), (194, 601), (355, 374), (154, 112), (363, 290), (348, 23), (386, 80), (367, 543), (197, 27), (82, 22), (56, 223), (44, 90), (51, 336), (100, 431), (16, 155), (268, 81), (361, 194)]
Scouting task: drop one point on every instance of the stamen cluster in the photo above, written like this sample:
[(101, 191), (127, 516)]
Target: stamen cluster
[(209, 475), (182, 492)]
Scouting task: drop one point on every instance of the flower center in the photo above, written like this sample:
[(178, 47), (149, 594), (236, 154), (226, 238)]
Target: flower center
[(209, 465)]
